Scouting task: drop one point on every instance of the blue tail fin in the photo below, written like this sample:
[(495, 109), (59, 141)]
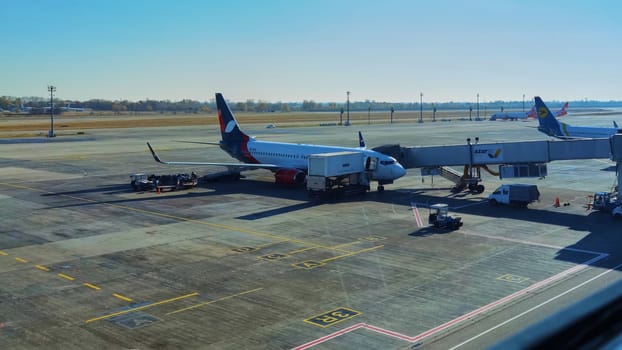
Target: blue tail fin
[(548, 124)]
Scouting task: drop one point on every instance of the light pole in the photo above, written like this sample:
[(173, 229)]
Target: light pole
[(348, 109), (369, 115), (51, 89), (523, 103), (421, 107), (477, 108)]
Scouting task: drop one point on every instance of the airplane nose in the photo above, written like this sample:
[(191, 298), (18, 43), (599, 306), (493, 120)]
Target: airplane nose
[(399, 171)]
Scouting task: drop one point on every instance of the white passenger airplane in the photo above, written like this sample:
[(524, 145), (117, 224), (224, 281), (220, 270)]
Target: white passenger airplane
[(522, 115), (552, 127), (288, 161)]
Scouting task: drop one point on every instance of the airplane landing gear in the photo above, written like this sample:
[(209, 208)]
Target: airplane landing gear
[(380, 188)]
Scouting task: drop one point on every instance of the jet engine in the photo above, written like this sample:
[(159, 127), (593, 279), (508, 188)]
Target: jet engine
[(289, 177)]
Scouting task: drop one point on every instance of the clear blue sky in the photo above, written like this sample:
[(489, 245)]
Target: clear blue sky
[(293, 50)]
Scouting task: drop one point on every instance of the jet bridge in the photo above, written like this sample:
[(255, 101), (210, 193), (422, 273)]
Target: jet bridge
[(507, 154)]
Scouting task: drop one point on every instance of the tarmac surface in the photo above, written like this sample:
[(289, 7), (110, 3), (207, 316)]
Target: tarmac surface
[(85, 262)]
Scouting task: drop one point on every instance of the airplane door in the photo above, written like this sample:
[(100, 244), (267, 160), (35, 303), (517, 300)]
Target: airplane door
[(371, 163)]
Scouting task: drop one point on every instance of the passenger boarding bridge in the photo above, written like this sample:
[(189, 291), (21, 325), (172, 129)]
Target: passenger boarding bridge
[(515, 159)]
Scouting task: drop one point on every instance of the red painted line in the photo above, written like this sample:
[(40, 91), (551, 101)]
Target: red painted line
[(455, 320), (389, 333), (416, 214), (329, 337)]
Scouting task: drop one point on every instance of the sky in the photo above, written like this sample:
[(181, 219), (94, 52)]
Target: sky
[(272, 50)]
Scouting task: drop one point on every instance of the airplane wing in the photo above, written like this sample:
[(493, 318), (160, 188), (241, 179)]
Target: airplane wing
[(201, 143), (231, 166)]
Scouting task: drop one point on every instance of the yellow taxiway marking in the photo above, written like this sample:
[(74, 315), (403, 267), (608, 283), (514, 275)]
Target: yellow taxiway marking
[(119, 296), (67, 277), (92, 286), (352, 253), (215, 301), (3, 253), (141, 307), (22, 260), (42, 268)]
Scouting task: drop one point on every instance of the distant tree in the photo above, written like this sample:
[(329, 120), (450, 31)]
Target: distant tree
[(262, 106), (5, 102), (308, 105), (250, 105), (285, 107), (241, 106)]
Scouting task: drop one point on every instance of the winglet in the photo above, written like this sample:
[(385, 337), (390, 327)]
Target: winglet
[(154, 154), (361, 141)]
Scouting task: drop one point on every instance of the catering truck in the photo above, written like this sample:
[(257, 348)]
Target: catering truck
[(337, 173), (514, 194)]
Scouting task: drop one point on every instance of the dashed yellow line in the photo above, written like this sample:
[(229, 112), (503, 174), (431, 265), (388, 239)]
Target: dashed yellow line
[(42, 268), (214, 301), (352, 253), (119, 296), (141, 307), (92, 286), (22, 260), (67, 277), (3, 253)]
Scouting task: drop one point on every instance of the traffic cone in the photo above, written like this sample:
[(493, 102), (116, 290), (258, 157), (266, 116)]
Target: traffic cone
[(557, 202)]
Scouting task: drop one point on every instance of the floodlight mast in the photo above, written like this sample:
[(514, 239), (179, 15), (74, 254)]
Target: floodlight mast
[(51, 89)]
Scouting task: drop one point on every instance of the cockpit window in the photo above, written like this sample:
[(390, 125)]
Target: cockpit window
[(387, 162)]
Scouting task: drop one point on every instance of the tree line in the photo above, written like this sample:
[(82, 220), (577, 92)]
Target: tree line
[(39, 104)]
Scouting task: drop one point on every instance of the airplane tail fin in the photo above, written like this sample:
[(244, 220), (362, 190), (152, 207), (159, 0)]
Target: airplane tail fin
[(615, 125), (548, 124), (562, 112), (532, 112), (229, 128), (361, 141)]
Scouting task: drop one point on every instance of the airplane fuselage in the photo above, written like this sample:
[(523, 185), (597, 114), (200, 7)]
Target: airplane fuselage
[(294, 156)]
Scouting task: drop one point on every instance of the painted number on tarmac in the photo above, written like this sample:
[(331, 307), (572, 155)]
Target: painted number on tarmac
[(309, 264), (333, 317), (512, 278), (273, 256), (244, 249)]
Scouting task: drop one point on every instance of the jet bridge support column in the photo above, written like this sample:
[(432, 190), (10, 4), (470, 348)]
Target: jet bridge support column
[(616, 156)]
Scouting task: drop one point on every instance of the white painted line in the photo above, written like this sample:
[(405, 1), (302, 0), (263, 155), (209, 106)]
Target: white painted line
[(533, 243), (535, 307), (466, 316)]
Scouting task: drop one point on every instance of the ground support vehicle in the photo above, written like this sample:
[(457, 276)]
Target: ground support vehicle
[(515, 194), (439, 217), (337, 174), (608, 202), (141, 182)]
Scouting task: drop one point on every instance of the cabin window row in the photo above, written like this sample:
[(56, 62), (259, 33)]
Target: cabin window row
[(275, 154)]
